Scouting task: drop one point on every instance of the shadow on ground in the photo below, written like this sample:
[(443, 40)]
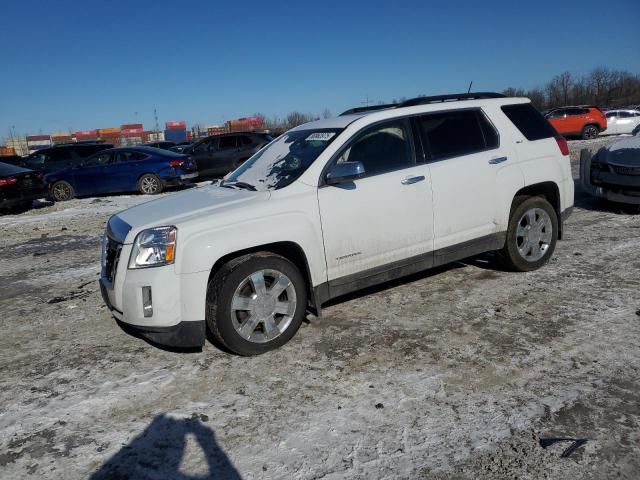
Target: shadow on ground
[(159, 452)]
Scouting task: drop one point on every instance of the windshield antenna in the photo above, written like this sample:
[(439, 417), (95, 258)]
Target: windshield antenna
[(469, 91)]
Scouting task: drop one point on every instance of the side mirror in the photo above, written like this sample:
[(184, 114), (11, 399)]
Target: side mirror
[(344, 172)]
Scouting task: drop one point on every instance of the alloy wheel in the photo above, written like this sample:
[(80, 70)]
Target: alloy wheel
[(534, 234), (263, 306)]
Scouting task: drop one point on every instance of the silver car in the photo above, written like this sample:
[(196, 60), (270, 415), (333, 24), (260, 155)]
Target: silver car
[(621, 121)]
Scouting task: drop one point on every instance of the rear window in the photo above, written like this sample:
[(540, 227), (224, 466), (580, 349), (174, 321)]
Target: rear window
[(456, 133), (529, 121), (6, 170)]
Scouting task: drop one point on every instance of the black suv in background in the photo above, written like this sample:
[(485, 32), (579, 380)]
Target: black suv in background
[(218, 155), (59, 157)]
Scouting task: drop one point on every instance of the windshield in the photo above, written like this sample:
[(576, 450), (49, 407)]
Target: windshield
[(283, 160)]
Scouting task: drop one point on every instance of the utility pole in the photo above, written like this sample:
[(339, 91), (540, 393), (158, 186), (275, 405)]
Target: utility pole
[(366, 102), (157, 125)]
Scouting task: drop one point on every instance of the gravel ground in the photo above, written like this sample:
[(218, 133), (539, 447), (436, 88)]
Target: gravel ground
[(461, 372)]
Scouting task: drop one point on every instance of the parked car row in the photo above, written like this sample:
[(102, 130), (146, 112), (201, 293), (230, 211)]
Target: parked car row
[(588, 121), (19, 187)]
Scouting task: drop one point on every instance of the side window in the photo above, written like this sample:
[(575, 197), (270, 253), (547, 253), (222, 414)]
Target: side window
[(59, 159), (244, 140), (97, 160), (454, 133), (381, 149), (201, 147), (491, 138), (228, 142), (36, 160), (625, 114), (611, 114), (557, 113)]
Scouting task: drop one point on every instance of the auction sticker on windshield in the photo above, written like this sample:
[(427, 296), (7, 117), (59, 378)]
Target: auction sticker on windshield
[(322, 136)]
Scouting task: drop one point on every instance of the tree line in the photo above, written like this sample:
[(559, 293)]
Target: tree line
[(602, 87)]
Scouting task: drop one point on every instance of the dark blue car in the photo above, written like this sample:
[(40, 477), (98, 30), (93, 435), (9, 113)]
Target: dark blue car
[(145, 169)]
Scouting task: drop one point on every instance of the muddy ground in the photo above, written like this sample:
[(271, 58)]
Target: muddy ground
[(462, 372)]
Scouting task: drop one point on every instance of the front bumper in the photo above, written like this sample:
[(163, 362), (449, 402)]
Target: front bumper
[(616, 188), (184, 334), (161, 305)]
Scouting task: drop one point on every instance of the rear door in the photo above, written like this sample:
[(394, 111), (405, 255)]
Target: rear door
[(464, 154), (125, 169)]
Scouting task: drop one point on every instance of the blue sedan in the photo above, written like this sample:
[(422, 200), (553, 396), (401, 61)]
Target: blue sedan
[(145, 169)]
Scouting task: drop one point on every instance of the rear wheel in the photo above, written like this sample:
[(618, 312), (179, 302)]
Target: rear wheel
[(61, 191), (589, 132), (531, 236), (150, 184), (256, 303)]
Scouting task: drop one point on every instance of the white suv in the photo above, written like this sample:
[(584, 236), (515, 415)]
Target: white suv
[(334, 206)]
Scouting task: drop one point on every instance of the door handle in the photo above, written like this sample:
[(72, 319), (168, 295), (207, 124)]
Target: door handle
[(495, 161), (411, 180)]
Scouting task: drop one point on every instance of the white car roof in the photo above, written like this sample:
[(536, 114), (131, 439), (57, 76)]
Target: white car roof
[(343, 121)]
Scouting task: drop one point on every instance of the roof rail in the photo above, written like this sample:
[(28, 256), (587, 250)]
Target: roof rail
[(449, 98), (425, 100), (368, 108)]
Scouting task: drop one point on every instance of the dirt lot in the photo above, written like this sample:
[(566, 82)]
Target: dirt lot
[(458, 373)]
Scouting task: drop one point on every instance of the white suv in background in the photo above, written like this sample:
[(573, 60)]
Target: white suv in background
[(621, 121), (334, 206)]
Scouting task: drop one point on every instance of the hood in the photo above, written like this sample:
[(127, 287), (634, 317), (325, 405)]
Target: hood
[(185, 206), (624, 152)]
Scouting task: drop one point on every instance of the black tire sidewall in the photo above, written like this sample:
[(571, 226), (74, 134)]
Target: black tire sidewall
[(62, 182), (227, 287), (510, 250)]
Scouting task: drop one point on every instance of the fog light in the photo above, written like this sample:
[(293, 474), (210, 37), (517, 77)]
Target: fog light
[(147, 302)]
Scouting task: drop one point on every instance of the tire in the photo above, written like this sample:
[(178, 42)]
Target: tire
[(528, 248), (150, 184), (590, 132), (62, 191), (233, 298)]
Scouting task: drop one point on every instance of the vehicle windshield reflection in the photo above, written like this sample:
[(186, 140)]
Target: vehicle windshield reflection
[(283, 160)]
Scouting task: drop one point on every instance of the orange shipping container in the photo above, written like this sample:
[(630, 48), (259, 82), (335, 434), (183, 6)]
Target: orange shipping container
[(7, 151), (109, 131)]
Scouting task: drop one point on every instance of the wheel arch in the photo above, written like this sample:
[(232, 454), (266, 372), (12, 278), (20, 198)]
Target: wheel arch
[(551, 192), (287, 249)]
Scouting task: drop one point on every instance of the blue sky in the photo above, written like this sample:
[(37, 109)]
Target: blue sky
[(99, 63)]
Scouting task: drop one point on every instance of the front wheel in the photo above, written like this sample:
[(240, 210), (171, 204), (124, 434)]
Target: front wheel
[(256, 303), (150, 184), (589, 132), (531, 236), (61, 191)]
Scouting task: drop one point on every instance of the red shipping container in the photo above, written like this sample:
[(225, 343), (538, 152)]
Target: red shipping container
[(180, 125), (132, 126), (132, 132), (37, 138), (87, 133)]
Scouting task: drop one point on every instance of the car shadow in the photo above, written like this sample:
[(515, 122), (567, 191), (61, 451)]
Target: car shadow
[(159, 450)]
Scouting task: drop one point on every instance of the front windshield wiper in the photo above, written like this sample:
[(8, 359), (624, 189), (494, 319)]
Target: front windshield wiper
[(245, 185)]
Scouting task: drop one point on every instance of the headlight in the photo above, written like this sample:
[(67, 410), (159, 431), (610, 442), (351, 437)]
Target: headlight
[(154, 247)]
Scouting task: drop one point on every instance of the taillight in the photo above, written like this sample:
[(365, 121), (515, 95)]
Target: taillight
[(176, 163), (7, 181), (562, 144)]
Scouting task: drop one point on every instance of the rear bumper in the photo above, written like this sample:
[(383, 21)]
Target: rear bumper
[(628, 191), (23, 198)]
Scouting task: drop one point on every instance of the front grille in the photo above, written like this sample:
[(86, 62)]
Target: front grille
[(111, 258), (620, 170)]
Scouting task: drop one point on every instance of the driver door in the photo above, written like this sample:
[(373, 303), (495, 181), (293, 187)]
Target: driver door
[(91, 177), (383, 220)]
